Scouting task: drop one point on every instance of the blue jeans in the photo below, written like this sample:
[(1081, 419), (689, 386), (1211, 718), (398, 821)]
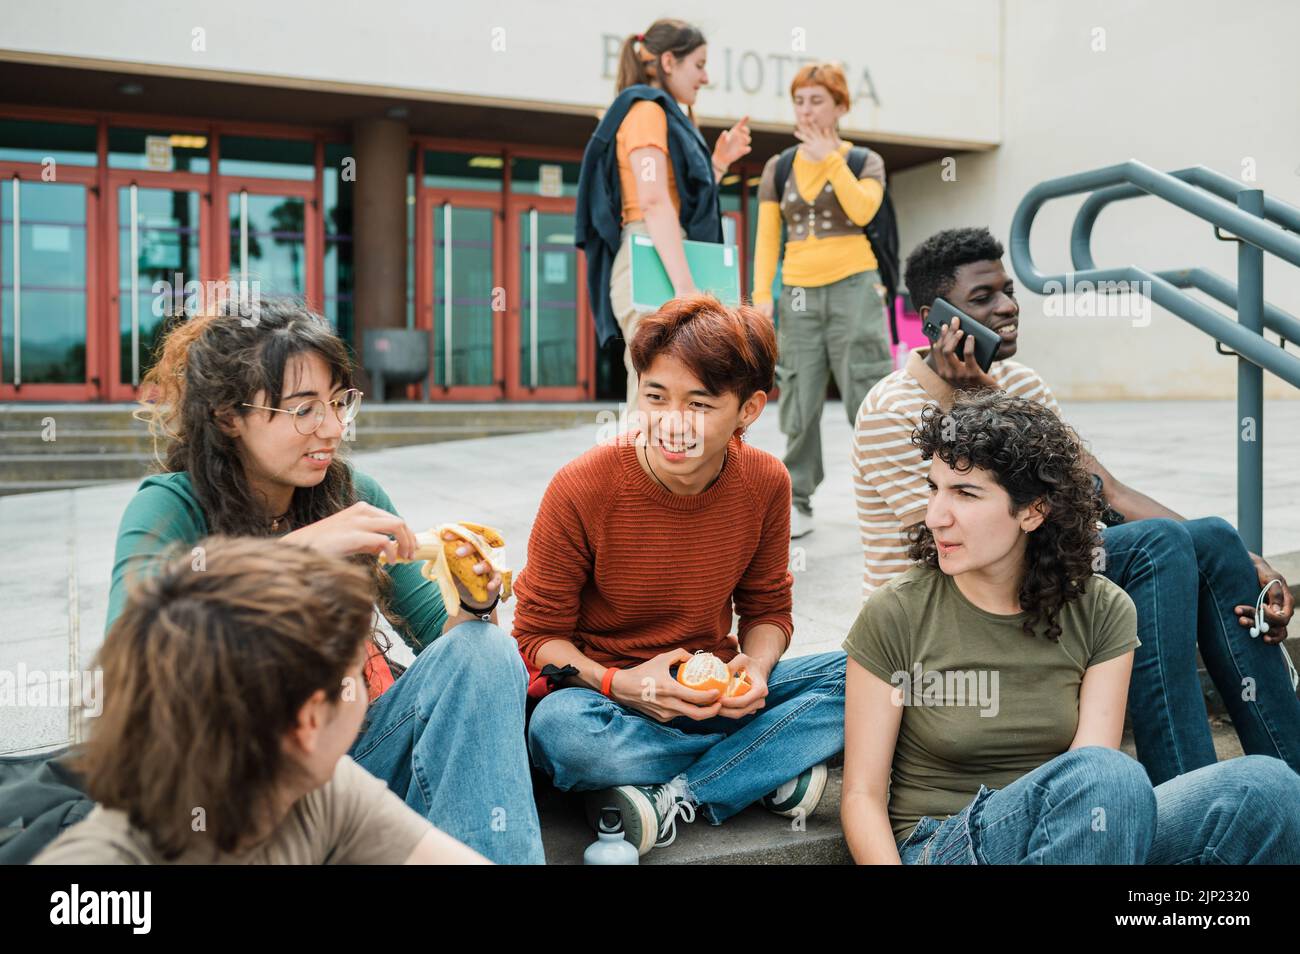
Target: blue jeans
[(1096, 806), (1185, 578), (448, 738), (586, 742)]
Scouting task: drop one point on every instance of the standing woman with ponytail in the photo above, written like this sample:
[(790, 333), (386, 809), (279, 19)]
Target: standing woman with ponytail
[(254, 408), (647, 170)]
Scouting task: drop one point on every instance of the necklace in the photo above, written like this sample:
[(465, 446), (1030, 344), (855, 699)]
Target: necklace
[(279, 521), (646, 452)]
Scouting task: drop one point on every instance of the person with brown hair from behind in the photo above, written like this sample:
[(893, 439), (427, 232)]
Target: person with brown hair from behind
[(233, 688)]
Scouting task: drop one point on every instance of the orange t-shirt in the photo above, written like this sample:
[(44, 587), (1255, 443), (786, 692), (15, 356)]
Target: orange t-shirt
[(645, 124)]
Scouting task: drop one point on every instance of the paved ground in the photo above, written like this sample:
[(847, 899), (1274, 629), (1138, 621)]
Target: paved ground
[(56, 548)]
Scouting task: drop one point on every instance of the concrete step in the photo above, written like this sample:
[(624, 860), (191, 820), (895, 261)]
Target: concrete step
[(98, 443), (61, 466), (755, 836), (32, 419)]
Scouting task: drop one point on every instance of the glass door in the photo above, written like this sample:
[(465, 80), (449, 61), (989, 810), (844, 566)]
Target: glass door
[(461, 295), (550, 336), (46, 269), (159, 249)]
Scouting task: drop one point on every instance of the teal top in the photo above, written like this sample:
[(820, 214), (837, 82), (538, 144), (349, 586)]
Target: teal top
[(165, 512)]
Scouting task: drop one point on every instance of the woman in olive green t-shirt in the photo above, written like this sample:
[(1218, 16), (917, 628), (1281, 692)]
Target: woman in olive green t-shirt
[(987, 685)]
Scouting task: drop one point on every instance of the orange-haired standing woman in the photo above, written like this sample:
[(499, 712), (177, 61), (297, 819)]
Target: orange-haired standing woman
[(832, 318)]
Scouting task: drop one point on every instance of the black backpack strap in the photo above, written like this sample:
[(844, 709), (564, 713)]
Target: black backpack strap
[(856, 159), (784, 163)]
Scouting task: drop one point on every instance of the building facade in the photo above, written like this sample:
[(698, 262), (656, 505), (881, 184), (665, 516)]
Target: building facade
[(412, 166)]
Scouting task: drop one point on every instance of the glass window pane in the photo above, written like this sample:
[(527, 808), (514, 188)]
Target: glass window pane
[(52, 260), (276, 244), (23, 140), (267, 158), (338, 194), (556, 303), (526, 176), (167, 260), (729, 193), (463, 170), (467, 321), (184, 151)]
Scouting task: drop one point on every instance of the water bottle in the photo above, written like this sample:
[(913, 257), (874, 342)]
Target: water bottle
[(610, 847)]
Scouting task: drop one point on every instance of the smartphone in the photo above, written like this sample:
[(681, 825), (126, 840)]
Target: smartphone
[(987, 340)]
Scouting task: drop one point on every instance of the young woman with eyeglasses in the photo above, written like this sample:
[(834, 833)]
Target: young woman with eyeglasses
[(253, 411)]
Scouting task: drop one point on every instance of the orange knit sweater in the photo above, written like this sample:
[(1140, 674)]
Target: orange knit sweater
[(625, 570)]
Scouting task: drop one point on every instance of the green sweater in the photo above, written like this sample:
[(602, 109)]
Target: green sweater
[(165, 512)]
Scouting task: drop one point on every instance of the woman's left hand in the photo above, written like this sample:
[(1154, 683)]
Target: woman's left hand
[(733, 144)]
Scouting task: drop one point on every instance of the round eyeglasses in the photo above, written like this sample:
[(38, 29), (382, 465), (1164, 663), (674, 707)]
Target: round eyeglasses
[(310, 414)]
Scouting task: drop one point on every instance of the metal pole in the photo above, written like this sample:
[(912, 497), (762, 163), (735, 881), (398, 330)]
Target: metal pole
[(243, 235), (18, 286), (1250, 385), (533, 301), (446, 287), (135, 286)]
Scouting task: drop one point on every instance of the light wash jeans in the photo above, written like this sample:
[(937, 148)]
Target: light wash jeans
[(448, 738), (1185, 578), (585, 741), (1097, 806)]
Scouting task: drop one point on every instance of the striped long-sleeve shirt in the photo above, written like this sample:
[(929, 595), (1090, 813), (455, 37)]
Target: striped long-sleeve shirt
[(889, 477)]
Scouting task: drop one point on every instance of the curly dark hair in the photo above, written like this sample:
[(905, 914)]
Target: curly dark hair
[(1033, 455), (211, 364), (932, 267)]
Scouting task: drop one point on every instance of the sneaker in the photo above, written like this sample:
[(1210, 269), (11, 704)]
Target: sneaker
[(800, 523), (649, 812), (799, 796)]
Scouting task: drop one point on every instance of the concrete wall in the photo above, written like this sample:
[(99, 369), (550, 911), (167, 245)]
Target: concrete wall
[(1178, 84), (553, 53)]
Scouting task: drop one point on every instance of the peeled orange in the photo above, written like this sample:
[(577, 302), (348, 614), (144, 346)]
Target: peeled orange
[(705, 671)]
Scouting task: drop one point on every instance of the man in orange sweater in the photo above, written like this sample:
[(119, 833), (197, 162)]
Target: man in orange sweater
[(639, 551)]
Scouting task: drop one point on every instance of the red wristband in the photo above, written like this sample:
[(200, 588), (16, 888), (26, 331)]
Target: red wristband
[(607, 681)]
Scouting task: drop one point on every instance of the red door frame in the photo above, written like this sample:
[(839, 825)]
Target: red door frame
[(114, 389), (429, 199), (517, 206), (89, 389), (313, 230)]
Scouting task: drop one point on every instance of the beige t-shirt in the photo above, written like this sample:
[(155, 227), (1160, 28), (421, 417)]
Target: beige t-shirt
[(983, 702), (352, 819)]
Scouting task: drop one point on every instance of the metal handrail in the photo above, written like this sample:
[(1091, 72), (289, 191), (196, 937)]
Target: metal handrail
[(1257, 222)]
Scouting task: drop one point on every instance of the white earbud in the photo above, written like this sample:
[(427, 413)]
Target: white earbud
[(1261, 624)]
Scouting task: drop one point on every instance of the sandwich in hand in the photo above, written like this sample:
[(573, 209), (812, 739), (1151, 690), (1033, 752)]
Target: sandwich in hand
[(444, 567)]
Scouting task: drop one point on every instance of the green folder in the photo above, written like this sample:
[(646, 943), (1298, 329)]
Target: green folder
[(715, 268)]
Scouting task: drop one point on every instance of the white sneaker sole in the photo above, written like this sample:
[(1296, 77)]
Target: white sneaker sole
[(811, 797)]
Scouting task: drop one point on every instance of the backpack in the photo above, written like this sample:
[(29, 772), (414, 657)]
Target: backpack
[(881, 231)]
